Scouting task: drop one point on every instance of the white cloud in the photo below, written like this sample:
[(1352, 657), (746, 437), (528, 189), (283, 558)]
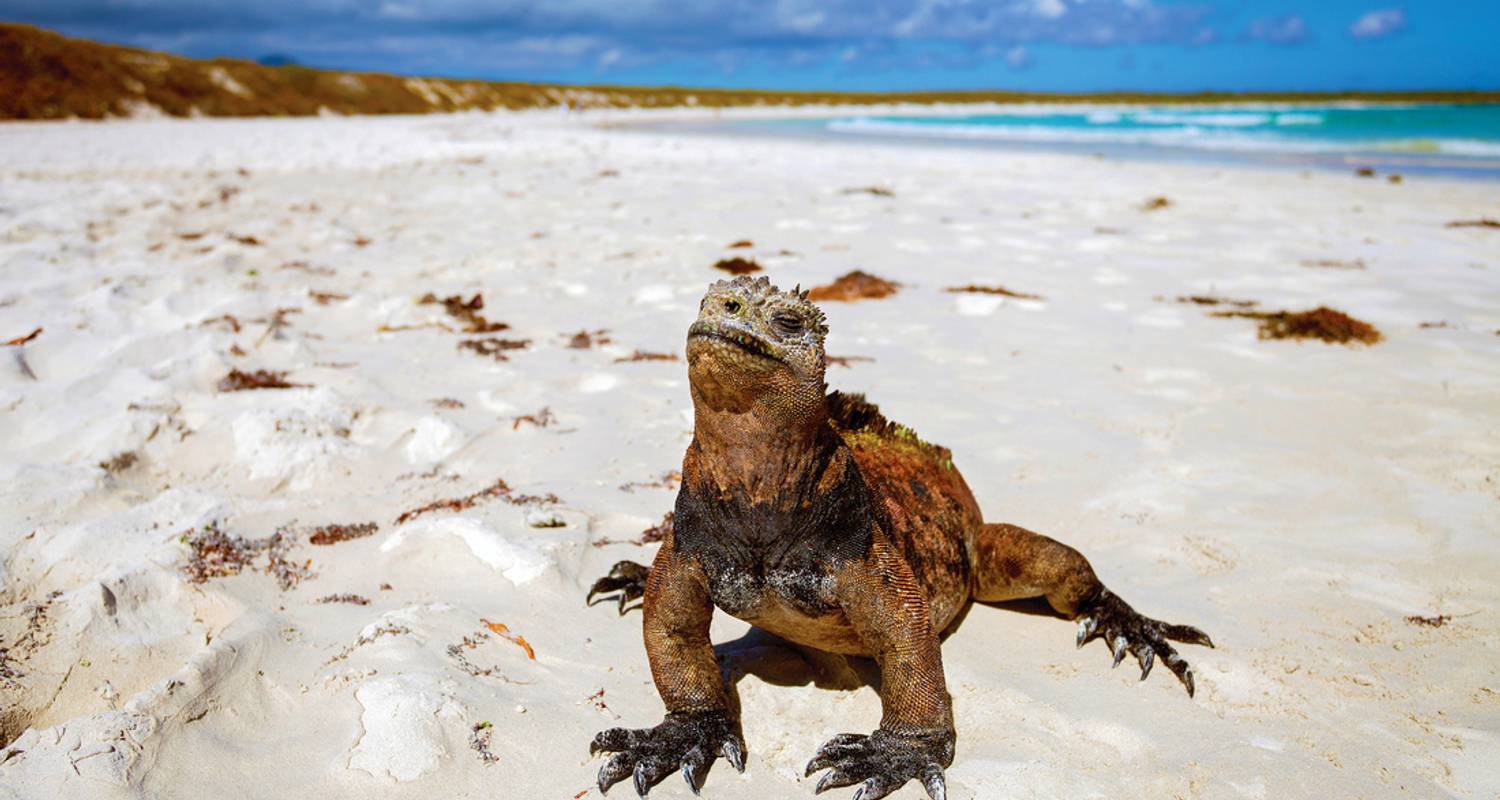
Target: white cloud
[(1290, 29), (1018, 57), (1375, 24), (1051, 9)]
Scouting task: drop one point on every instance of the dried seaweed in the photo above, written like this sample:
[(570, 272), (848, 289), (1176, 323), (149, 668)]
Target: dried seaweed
[(540, 419), (1156, 203), (20, 340), (668, 480), (1334, 263), (494, 347), (240, 381), (660, 530), (446, 402), (1429, 622), (856, 285), (499, 490), (1474, 223), (248, 241), (479, 742), (1365, 172), (275, 323), (215, 554), (119, 462), (845, 361), (583, 340), (456, 652), (739, 245), (334, 534), (653, 534), (642, 355), (1210, 300), (876, 191), (227, 320), (1320, 323), (303, 266), (465, 311), (324, 298), (287, 573), (351, 599), (1000, 290), (735, 265), (503, 631)]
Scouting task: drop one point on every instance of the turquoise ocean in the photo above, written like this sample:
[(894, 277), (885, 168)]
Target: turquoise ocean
[(1461, 139)]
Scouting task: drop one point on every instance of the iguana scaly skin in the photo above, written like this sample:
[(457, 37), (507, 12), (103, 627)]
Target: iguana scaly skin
[(813, 517)]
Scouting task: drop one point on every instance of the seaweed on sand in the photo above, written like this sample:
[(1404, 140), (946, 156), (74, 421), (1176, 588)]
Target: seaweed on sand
[(740, 244), (856, 285), (499, 490), (642, 355), (494, 347), (335, 533), (351, 599), (465, 311), (873, 191), (1323, 323), (540, 419), (1474, 223), (1334, 263), (1156, 203), (1210, 300), (668, 480), (735, 265), (215, 554), (975, 288), (655, 533), (240, 381), (479, 742), (585, 339), (846, 362)]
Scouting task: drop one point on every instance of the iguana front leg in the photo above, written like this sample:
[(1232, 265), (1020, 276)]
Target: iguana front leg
[(883, 602), (699, 726)]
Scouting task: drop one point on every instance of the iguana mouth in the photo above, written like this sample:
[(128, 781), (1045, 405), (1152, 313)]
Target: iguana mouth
[(750, 343)]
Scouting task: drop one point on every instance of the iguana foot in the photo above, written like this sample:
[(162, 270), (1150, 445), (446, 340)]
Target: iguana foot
[(628, 578), (884, 761), (686, 740), (1125, 630)]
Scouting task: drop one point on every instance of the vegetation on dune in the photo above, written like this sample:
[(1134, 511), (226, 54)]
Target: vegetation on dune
[(44, 75)]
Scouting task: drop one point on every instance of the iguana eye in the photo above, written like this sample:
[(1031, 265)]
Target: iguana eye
[(786, 324), (731, 305)]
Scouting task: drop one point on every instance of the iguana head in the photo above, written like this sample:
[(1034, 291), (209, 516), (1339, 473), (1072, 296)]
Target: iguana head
[(753, 343)]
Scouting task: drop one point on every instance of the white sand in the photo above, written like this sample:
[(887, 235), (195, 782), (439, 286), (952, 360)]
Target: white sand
[(1298, 501)]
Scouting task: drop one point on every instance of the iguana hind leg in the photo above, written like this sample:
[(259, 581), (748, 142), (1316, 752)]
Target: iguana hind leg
[(626, 577), (1012, 563)]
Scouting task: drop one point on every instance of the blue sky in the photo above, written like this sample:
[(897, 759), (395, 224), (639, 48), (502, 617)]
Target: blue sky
[(1037, 45)]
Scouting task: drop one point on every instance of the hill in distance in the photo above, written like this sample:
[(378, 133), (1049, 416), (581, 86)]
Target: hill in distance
[(44, 75)]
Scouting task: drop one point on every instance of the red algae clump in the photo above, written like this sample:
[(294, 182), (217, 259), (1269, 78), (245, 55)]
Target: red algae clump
[(856, 285), (1323, 323)]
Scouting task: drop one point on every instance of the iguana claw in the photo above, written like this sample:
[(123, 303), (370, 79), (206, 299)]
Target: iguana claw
[(1125, 630), (883, 762), (685, 741), (626, 577)]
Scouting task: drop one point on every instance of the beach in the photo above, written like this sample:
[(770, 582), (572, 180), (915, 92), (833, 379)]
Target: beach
[(259, 337)]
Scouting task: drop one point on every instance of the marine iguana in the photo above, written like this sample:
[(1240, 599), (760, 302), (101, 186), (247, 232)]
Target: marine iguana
[(811, 516)]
